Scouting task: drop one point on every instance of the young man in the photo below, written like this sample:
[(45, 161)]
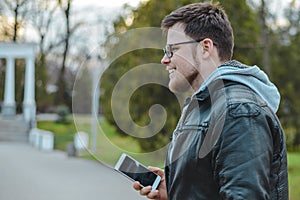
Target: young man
[(228, 143)]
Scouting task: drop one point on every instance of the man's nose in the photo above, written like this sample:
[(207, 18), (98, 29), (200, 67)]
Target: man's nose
[(165, 60)]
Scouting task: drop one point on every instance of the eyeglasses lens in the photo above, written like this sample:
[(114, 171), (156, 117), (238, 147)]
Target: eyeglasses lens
[(168, 51)]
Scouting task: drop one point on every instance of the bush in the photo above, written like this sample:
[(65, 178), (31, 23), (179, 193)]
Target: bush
[(63, 112)]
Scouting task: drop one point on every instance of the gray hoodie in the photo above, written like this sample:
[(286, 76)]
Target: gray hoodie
[(252, 76)]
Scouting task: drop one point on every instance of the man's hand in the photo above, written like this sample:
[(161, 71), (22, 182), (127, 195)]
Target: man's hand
[(160, 193)]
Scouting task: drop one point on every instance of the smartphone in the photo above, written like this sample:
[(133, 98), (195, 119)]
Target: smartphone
[(135, 171)]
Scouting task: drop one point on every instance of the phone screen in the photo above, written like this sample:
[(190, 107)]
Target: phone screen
[(137, 172)]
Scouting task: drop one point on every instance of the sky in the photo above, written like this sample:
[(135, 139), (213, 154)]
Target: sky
[(105, 3)]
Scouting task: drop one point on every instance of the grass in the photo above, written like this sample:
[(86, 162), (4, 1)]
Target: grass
[(110, 145), (294, 175)]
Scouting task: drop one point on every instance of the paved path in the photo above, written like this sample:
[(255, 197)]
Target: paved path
[(29, 174)]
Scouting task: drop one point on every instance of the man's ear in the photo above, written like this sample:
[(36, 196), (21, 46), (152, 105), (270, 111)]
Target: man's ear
[(206, 47)]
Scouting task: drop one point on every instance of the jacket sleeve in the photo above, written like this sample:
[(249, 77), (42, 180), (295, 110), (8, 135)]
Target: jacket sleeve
[(243, 154)]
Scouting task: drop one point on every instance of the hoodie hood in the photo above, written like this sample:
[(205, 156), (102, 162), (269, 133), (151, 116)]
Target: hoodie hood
[(252, 76)]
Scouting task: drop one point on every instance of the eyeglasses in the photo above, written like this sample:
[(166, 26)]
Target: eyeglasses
[(168, 50)]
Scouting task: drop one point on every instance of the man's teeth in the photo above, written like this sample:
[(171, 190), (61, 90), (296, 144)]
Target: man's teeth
[(171, 71)]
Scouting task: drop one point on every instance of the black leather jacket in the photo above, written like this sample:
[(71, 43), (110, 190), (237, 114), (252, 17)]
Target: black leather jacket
[(228, 144)]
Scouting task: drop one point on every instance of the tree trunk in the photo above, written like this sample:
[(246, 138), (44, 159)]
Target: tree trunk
[(265, 38), (62, 96), (16, 24)]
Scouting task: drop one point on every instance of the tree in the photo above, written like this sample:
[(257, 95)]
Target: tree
[(5, 29), (265, 37), (41, 18), (246, 31), (63, 95), (18, 9), (63, 43), (285, 58)]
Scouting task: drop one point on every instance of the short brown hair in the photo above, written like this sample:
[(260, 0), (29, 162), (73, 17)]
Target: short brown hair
[(204, 20)]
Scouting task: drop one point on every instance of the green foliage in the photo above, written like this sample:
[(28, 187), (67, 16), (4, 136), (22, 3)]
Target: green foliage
[(63, 113), (294, 175), (62, 95), (285, 61), (244, 22), (43, 99), (142, 99)]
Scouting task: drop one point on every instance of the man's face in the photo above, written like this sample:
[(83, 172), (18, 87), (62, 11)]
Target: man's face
[(183, 72)]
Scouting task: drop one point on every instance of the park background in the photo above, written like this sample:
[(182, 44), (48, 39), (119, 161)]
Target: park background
[(267, 34)]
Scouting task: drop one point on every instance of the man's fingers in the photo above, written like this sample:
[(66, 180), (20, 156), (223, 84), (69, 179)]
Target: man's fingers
[(136, 185), (157, 170), (145, 190), (153, 194)]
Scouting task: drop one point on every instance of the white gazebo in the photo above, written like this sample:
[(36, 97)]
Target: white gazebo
[(11, 51)]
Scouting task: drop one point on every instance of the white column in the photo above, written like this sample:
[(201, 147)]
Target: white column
[(9, 103), (29, 105)]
